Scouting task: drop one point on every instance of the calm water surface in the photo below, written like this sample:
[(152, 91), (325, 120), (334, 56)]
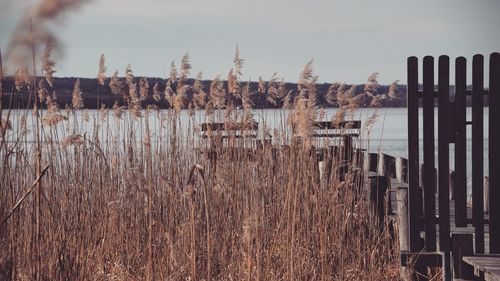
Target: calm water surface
[(388, 134)]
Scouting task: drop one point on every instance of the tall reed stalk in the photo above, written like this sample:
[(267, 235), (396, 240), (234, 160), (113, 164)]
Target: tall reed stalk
[(140, 195)]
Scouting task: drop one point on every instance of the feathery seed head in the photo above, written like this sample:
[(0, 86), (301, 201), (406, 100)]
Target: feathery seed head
[(77, 100), (101, 76)]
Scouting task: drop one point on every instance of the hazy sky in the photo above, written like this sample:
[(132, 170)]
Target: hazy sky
[(348, 39)]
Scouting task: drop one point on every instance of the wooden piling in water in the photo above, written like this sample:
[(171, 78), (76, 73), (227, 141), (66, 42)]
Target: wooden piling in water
[(402, 170), (370, 162), (386, 165), (403, 226), (377, 188)]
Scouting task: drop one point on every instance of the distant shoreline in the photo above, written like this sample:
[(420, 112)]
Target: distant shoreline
[(63, 87)]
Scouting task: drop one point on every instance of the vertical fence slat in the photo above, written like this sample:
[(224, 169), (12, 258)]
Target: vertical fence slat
[(444, 164), (477, 151), (429, 158), (494, 154), (413, 154), (460, 143), (443, 154)]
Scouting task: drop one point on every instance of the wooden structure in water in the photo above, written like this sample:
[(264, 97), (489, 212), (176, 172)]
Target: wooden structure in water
[(438, 225), (443, 232)]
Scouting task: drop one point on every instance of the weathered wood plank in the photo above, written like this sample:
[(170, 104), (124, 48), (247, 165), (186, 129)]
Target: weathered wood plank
[(429, 152), (460, 190), (421, 259), (327, 125), (484, 263), (377, 187), (444, 163), (229, 126), (494, 153), (462, 246), (443, 154), (402, 169), (413, 152), (477, 151), (386, 165), (334, 135), (403, 226)]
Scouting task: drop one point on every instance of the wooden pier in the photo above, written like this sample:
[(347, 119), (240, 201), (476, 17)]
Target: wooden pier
[(438, 226), (436, 231)]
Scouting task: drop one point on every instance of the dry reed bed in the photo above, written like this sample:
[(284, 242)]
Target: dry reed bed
[(154, 205)]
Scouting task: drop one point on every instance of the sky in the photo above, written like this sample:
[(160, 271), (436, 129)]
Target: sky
[(348, 39)]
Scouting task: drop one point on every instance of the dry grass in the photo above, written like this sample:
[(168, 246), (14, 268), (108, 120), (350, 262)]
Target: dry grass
[(129, 202)]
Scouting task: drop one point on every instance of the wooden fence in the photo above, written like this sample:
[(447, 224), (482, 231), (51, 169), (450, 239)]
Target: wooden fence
[(451, 129)]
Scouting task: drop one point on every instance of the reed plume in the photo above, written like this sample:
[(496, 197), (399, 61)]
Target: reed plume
[(118, 110), (273, 90), (185, 68), (156, 92), (198, 88), (232, 83), (173, 72), (238, 63), (217, 93), (372, 83), (262, 86), (169, 92), (393, 90), (143, 88), (27, 37), (181, 98), (115, 83), (101, 75), (129, 75), (75, 140), (77, 100), (48, 63), (22, 78), (331, 95)]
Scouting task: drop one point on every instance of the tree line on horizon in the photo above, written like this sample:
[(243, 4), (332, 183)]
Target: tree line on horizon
[(264, 94)]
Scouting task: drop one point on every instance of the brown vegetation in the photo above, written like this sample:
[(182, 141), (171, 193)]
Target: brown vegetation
[(130, 203)]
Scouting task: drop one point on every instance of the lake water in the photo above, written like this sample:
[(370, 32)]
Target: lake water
[(388, 134)]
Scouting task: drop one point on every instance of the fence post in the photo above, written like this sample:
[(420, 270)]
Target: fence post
[(413, 154), (444, 163), (477, 152), (494, 153), (429, 155), (460, 191)]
